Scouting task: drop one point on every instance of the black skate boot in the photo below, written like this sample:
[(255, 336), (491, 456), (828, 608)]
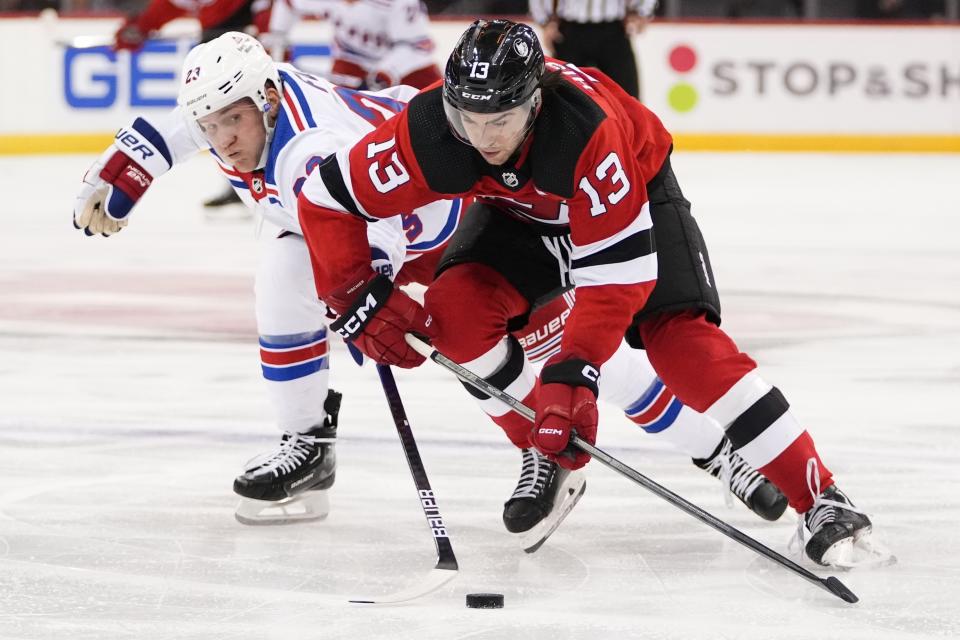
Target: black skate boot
[(545, 494), (752, 489), (834, 525), (289, 484)]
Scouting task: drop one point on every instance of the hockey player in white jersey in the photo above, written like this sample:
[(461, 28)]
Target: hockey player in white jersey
[(269, 125), (377, 43)]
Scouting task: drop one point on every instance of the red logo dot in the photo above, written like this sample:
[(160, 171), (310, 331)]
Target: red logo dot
[(683, 58)]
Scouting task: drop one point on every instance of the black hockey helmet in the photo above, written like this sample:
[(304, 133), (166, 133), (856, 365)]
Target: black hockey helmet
[(496, 66)]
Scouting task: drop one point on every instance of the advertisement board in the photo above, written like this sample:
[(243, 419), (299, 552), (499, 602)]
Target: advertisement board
[(889, 85), (716, 86)]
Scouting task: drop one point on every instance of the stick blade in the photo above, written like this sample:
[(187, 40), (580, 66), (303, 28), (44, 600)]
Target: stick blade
[(433, 581), (840, 590)]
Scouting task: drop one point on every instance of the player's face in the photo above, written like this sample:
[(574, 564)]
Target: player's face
[(496, 135), (236, 133)]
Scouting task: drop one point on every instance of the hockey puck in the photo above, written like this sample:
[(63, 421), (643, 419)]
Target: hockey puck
[(485, 600)]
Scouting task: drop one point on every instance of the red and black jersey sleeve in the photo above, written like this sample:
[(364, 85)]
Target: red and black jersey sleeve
[(378, 177), (614, 260)]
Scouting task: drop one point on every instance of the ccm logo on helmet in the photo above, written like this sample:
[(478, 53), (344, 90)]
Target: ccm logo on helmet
[(475, 96)]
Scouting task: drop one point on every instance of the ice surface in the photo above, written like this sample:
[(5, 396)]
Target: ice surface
[(130, 397)]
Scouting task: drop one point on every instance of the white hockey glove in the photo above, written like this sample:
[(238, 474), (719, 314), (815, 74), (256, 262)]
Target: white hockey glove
[(120, 176)]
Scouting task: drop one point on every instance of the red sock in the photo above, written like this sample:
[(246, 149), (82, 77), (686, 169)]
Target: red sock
[(789, 472)]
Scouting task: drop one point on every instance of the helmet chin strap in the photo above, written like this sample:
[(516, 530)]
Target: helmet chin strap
[(268, 138)]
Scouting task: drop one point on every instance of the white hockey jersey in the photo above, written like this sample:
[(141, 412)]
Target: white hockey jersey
[(378, 36), (316, 119)]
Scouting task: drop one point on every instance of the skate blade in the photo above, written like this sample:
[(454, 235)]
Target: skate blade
[(861, 552), (569, 494), (306, 507)]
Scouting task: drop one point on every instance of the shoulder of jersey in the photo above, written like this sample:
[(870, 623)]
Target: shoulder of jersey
[(567, 121), (447, 164), (304, 100)]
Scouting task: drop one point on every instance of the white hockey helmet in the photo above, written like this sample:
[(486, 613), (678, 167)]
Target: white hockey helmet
[(226, 69)]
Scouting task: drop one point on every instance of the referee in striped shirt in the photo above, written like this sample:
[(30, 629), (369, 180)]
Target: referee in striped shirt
[(595, 33)]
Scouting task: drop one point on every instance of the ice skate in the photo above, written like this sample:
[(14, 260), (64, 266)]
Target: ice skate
[(545, 495), (743, 481), (290, 484), (840, 535)]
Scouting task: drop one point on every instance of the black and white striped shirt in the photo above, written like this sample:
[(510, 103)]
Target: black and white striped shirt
[(589, 10)]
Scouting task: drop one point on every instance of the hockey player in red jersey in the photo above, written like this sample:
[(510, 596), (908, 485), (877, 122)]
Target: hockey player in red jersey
[(216, 17), (574, 189)]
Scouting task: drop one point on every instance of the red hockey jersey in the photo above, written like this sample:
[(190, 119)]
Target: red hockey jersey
[(583, 170)]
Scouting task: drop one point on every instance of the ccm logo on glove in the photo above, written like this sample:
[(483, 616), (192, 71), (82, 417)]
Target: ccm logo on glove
[(550, 432), (377, 317), (566, 402), (364, 308)]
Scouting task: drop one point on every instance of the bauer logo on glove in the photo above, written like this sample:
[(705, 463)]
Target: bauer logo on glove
[(118, 179)]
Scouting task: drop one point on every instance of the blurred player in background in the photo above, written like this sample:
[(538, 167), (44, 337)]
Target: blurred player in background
[(216, 17), (377, 43), (595, 34), (269, 125)]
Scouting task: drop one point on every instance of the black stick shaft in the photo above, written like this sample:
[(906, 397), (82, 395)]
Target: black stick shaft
[(831, 584), (445, 557)]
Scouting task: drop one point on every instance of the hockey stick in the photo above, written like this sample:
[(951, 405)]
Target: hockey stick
[(446, 567), (831, 584)]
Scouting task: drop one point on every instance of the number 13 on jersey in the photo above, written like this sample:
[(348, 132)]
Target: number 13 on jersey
[(609, 165), (393, 173)]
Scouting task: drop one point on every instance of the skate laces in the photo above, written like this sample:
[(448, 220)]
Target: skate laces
[(737, 477), (533, 475), (823, 511), (294, 449)]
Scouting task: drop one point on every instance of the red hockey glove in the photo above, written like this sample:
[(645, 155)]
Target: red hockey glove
[(129, 36), (566, 401), (374, 316)]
